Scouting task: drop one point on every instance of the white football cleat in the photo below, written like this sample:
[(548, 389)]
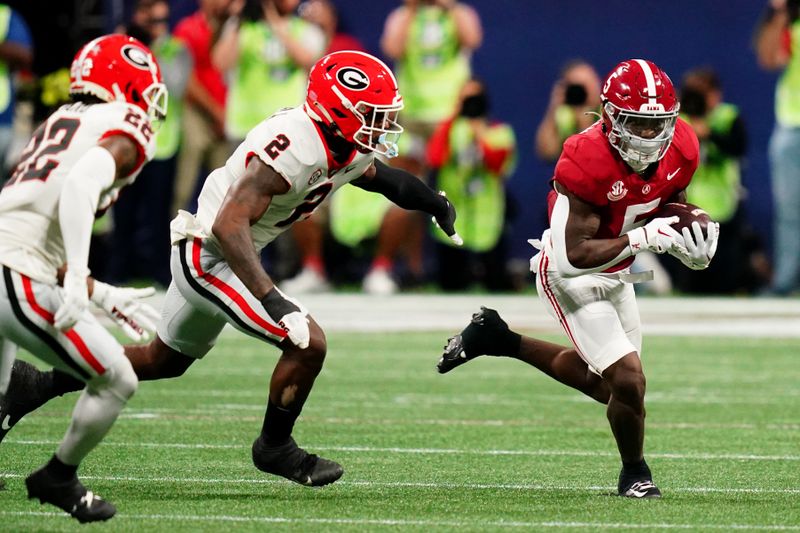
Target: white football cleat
[(379, 282), (308, 281)]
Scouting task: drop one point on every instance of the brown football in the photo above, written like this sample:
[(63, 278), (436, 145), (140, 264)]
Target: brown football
[(686, 213)]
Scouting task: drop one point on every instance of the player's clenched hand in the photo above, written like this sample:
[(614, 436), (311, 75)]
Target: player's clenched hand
[(75, 300), (698, 251), (125, 307), (447, 221), (657, 236), (288, 316)]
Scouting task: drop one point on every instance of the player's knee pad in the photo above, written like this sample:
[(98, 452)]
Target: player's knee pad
[(119, 380)]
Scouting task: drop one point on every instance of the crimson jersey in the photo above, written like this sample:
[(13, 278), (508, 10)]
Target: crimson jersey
[(591, 169)]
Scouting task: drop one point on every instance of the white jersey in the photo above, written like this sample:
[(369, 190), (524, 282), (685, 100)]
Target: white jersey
[(292, 144), (30, 234)]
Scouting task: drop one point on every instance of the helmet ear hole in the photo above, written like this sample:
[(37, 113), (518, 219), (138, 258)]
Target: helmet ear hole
[(338, 113)]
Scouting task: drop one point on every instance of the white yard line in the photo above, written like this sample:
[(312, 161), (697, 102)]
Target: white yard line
[(422, 523), (440, 451), (428, 485), (168, 414)]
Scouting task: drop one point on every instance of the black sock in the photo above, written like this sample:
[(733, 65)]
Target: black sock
[(278, 424), (506, 344), (61, 471), (501, 341), (635, 469)]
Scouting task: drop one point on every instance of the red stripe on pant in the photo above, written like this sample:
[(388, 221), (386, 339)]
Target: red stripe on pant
[(553, 301), (70, 334), (231, 293)]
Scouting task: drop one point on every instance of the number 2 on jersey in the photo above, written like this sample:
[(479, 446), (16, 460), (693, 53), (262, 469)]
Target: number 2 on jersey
[(277, 145), (48, 140), (312, 201)]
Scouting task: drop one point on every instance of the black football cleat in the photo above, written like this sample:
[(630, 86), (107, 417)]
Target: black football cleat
[(476, 339), (295, 464), (71, 496), (640, 489), (21, 398)]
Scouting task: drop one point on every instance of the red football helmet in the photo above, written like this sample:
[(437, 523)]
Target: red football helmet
[(356, 94), (118, 68), (639, 111)]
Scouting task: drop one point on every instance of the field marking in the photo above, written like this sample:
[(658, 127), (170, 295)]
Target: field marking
[(428, 523), (226, 409), (438, 451), (777, 397), (429, 485)]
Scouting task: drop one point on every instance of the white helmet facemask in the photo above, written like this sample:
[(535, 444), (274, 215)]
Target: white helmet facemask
[(379, 129)]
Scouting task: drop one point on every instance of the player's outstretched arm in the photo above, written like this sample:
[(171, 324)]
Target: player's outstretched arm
[(93, 173), (246, 202), (574, 224), (408, 192)]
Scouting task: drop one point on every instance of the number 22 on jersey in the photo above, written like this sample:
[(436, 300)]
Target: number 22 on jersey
[(39, 158)]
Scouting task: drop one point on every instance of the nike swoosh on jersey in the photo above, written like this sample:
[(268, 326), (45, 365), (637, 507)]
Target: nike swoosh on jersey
[(5, 426), (672, 174)]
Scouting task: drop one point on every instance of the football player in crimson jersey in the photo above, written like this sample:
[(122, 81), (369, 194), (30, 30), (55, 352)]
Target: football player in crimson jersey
[(288, 164), (608, 180), (74, 167)]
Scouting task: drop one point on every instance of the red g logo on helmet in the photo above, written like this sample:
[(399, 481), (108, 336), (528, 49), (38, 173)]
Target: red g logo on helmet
[(356, 96), (118, 68), (352, 78), (136, 56)]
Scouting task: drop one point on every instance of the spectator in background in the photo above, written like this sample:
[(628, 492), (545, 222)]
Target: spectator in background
[(717, 184), (473, 156), (266, 57), (203, 145), (777, 43), (142, 215), (309, 234), (431, 43), (15, 54), (574, 104), (323, 13), (359, 219)]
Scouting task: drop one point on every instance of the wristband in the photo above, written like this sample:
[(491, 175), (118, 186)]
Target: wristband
[(276, 305), (637, 240)]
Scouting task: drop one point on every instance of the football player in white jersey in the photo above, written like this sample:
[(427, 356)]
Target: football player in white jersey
[(286, 167), (74, 167)]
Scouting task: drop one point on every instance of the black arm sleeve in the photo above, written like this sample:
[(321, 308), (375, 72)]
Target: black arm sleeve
[(404, 189)]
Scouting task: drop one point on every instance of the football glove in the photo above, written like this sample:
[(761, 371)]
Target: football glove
[(657, 236), (447, 222), (287, 315), (75, 300), (125, 307), (698, 251)]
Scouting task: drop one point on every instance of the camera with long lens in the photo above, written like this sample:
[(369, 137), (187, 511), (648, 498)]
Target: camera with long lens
[(693, 103), (575, 94)]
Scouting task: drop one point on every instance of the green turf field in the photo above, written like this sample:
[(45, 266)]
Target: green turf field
[(492, 446)]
